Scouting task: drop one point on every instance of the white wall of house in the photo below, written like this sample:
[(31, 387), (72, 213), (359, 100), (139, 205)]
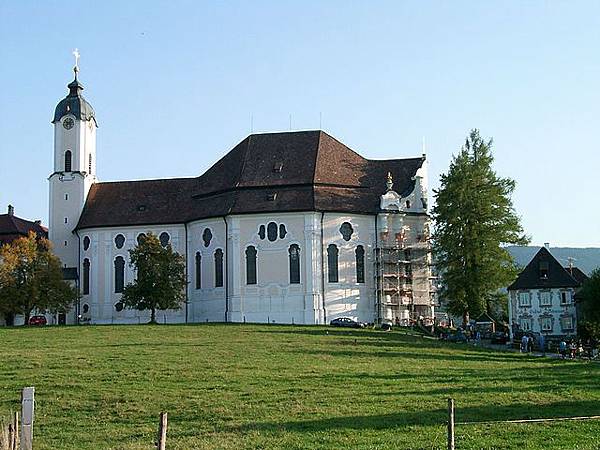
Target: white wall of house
[(547, 311)]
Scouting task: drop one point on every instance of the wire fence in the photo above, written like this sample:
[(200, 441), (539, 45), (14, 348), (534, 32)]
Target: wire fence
[(451, 424)]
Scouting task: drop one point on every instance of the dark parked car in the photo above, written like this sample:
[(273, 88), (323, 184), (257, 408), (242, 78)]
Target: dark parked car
[(499, 337), (37, 320), (456, 337), (346, 322)]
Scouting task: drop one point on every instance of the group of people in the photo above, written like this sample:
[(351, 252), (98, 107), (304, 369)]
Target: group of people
[(527, 342), (574, 349)]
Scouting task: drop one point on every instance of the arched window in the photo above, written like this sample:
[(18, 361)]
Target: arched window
[(86, 276), (250, 265), (332, 263), (164, 238), (119, 274), (218, 268), (294, 255), (407, 204), (86, 242), (141, 238), (86, 308), (198, 270), (360, 264), (68, 161)]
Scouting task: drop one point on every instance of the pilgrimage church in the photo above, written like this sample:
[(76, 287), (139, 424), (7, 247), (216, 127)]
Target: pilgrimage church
[(291, 227)]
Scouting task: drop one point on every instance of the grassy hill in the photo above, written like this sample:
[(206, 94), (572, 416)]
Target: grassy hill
[(285, 387)]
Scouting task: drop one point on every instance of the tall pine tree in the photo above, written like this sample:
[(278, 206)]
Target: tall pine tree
[(474, 219)]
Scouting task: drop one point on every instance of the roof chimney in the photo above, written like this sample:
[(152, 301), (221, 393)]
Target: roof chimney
[(547, 245), (11, 210)]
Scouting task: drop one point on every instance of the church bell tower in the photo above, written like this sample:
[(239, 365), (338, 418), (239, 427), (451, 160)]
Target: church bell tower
[(74, 168)]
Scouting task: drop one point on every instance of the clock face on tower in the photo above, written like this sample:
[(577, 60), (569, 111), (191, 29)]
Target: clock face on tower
[(68, 123)]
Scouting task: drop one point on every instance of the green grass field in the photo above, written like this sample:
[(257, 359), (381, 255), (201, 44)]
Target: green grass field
[(267, 387)]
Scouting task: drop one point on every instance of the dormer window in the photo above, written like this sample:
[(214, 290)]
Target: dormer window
[(544, 270)]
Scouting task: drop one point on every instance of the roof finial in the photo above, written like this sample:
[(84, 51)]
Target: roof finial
[(390, 182), (76, 67)]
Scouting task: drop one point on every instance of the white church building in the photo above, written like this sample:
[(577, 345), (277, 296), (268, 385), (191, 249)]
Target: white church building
[(291, 227)]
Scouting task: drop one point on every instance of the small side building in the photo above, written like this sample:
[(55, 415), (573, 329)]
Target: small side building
[(13, 227), (542, 298)]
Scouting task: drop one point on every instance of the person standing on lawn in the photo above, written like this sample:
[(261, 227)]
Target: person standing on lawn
[(524, 341), (542, 342), (562, 349)]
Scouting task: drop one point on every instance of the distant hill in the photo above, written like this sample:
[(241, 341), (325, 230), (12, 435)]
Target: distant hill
[(587, 259)]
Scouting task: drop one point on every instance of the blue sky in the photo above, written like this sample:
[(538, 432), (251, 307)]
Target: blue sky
[(175, 84)]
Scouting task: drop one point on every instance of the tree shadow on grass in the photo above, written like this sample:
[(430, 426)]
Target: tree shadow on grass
[(429, 417)]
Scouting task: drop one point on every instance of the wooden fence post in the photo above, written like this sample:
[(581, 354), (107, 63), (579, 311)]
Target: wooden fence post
[(27, 407), (162, 431), (13, 432), (450, 424)]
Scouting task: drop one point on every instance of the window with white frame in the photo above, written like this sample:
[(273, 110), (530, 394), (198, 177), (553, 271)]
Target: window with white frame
[(565, 298), (525, 324), (546, 323), (524, 299), (566, 323), (545, 298)]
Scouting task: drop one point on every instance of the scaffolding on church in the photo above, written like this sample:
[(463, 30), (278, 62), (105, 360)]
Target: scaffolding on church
[(405, 287)]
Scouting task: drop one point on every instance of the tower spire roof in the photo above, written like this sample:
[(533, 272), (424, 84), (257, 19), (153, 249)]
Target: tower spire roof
[(74, 103)]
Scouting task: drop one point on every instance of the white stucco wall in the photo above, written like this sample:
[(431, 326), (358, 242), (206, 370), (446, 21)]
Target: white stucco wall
[(68, 190), (101, 254), (536, 311)]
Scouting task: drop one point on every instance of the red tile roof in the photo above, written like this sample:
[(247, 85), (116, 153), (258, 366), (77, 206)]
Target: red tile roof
[(273, 172), (13, 227)]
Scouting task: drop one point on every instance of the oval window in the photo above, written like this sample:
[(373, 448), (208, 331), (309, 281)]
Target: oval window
[(346, 230), (86, 243), (120, 240), (119, 306), (141, 238), (207, 237), (164, 238), (272, 231)]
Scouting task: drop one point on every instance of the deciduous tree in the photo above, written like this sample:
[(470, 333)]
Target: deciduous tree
[(474, 219), (160, 282), (589, 325), (31, 279)]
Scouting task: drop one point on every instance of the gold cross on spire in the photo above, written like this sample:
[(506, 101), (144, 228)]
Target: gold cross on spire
[(76, 55)]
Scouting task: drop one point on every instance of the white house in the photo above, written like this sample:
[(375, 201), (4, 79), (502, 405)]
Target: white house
[(541, 299), (286, 227)]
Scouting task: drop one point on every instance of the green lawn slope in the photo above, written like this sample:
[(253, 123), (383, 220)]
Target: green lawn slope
[(285, 387)]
